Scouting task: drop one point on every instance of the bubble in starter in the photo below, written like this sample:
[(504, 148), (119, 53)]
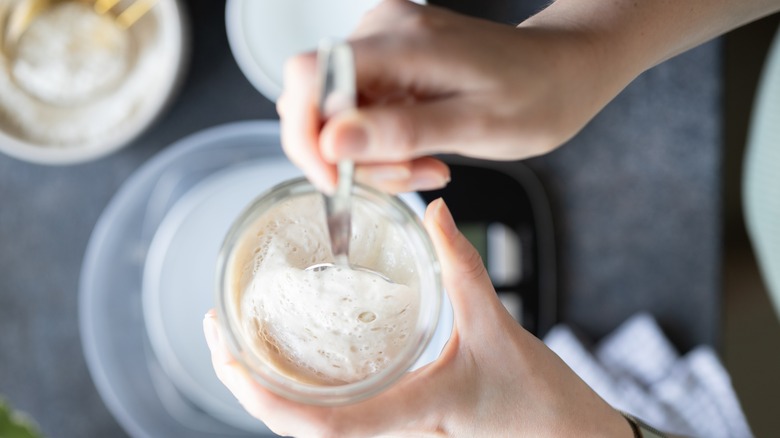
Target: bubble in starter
[(367, 316)]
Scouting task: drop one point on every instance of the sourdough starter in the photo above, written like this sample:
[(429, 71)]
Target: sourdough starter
[(331, 327)]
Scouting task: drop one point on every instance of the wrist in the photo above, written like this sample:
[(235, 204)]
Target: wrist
[(604, 422), (623, 426), (577, 65)]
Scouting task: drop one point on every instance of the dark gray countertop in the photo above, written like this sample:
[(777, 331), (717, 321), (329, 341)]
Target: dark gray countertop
[(636, 201)]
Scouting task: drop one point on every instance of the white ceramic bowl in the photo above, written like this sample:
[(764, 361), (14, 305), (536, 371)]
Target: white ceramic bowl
[(167, 57), (264, 33)]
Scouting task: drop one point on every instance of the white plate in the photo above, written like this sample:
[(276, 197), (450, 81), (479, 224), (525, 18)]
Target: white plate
[(179, 280), (144, 344), (126, 372), (180, 277), (263, 34)]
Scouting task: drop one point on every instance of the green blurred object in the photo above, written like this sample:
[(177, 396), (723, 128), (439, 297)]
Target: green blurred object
[(761, 186), (14, 424), (476, 233)]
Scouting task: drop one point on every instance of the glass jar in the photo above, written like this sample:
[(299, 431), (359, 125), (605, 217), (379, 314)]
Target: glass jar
[(285, 337)]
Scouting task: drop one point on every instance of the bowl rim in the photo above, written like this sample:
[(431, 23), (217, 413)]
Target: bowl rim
[(254, 72), (236, 35)]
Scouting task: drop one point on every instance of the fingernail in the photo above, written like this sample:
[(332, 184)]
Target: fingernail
[(352, 141), (444, 219), (428, 182), (211, 331)]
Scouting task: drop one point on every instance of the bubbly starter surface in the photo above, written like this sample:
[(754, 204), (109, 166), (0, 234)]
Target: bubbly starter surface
[(334, 326)]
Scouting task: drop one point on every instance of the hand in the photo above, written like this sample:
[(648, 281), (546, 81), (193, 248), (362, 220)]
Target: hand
[(432, 81), (492, 379)]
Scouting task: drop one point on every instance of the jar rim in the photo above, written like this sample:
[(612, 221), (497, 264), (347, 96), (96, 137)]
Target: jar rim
[(430, 296)]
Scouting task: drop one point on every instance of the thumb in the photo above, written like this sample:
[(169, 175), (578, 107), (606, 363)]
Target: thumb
[(464, 275)]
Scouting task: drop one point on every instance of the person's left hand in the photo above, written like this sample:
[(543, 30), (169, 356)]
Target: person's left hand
[(492, 379)]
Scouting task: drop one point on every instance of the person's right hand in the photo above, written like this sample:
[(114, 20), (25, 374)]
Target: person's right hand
[(432, 81)]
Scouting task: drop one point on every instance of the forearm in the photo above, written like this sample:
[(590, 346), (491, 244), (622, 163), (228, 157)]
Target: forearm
[(631, 36)]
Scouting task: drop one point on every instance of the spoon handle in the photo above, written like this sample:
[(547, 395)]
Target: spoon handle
[(336, 68)]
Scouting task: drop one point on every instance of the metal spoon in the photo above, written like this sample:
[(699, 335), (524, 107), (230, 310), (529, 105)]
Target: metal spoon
[(336, 69)]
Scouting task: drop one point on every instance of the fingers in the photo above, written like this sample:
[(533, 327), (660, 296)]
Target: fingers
[(301, 123), (395, 133), (418, 104), (401, 118), (219, 353), (227, 369), (251, 396), (393, 136), (399, 407), (463, 273), (421, 174), (279, 414)]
